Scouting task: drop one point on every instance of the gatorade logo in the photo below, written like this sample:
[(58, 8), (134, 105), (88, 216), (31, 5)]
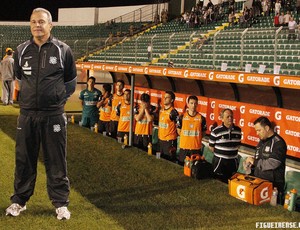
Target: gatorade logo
[(164, 71), (186, 73), (103, 67), (276, 80), (242, 136), (211, 76), (212, 116), (242, 109), (146, 70), (240, 190), (129, 69), (116, 68), (213, 104), (264, 193), (241, 78), (242, 123), (278, 115)]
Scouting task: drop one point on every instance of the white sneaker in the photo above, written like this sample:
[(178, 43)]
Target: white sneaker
[(15, 209), (63, 213)]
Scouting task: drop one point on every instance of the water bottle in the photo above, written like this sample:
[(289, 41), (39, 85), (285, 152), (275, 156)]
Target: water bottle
[(96, 128), (273, 200), (287, 200), (149, 149), (292, 204), (72, 119), (125, 140)]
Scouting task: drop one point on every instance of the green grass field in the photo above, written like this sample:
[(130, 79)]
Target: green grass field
[(114, 188)]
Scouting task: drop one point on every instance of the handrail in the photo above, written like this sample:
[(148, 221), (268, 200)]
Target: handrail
[(276, 44), (152, 38), (75, 46), (135, 47), (214, 48), (87, 47), (171, 36), (190, 49), (105, 49), (242, 47), (122, 49)]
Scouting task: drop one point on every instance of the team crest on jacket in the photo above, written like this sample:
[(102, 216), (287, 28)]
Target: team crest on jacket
[(53, 60), (56, 128)]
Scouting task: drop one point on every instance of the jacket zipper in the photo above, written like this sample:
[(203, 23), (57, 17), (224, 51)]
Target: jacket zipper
[(44, 54)]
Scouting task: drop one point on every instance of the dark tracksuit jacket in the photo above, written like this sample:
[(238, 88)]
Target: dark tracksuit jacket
[(47, 77), (270, 159)]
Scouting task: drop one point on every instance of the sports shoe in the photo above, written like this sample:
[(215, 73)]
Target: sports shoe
[(63, 213), (15, 209)]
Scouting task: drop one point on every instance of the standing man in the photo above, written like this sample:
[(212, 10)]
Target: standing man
[(270, 156), (7, 73), (46, 70), (105, 109), (117, 98), (167, 133), (89, 97), (144, 122), (123, 111), (224, 142), (191, 127)]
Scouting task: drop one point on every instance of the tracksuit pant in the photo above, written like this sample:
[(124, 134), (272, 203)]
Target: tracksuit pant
[(49, 132), (8, 91), (224, 168)]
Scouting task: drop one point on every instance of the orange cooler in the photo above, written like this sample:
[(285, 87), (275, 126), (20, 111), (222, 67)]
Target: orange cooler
[(250, 189), (188, 163)]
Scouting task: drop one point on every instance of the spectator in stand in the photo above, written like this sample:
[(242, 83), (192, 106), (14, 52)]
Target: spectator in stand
[(269, 160), (144, 116), (292, 25), (117, 98), (89, 97), (210, 4), (191, 127), (131, 30), (164, 16), (276, 20), (281, 19), (287, 18), (105, 109), (266, 7), (277, 7), (231, 19), (167, 133), (298, 6), (123, 111), (8, 77), (224, 142)]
